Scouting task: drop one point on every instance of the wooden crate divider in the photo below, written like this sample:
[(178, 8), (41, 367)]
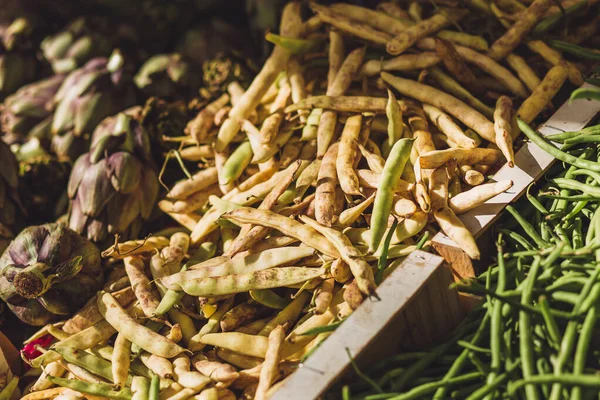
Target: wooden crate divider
[(416, 308)]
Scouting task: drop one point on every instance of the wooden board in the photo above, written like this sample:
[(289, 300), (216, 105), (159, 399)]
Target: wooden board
[(416, 308), (530, 164)]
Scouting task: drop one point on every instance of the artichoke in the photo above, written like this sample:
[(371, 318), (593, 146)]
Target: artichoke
[(9, 200), (27, 113), (49, 271), (18, 63), (224, 68), (43, 182), (167, 75), (113, 188), (100, 88), (75, 45)]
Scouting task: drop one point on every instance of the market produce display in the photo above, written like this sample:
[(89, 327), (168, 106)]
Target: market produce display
[(209, 220)]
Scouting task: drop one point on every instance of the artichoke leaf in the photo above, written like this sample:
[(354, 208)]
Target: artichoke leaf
[(125, 172), (56, 246), (66, 270), (54, 304), (78, 172), (91, 108), (95, 190)]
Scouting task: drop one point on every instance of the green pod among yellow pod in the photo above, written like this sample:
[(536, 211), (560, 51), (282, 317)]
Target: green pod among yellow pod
[(267, 279), (392, 170)]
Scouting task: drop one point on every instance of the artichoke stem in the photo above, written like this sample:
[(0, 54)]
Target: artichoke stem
[(30, 282)]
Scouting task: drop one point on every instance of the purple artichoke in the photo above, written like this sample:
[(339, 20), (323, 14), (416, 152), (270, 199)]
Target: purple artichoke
[(47, 271), (27, 113), (113, 188), (9, 201), (167, 75), (74, 46), (100, 88), (18, 63)]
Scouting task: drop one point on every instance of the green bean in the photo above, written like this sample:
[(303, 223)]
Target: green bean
[(294, 45), (585, 337), (592, 174), (560, 137), (585, 381), (154, 388), (563, 237), (236, 163), (582, 139), (584, 93), (419, 391), (556, 252), (568, 341), (496, 325), (479, 365), (573, 49), (472, 347), (268, 298), (478, 289), (590, 236), (172, 297), (518, 238), (382, 261), (464, 392), (432, 356), (321, 329), (586, 154), (543, 367), (490, 387), (549, 320), (422, 240), (346, 392), (95, 389), (591, 299), (568, 283), (577, 235), (525, 339), (8, 390), (564, 297), (361, 375), (527, 227), (535, 202), (552, 20), (554, 151), (576, 210), (401, 358), (545, 232), (577, 197), (389, 375), (572, 184), (382, 206)]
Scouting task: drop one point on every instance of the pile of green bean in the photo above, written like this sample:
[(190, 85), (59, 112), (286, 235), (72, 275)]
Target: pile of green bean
[(531, 337)]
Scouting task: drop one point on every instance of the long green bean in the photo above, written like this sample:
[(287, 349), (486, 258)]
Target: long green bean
[(585, 337), (573, 49), (554, 151)]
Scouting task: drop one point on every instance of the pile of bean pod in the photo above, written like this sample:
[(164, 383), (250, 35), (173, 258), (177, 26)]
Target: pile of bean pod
[(312, 184), (532, 336)]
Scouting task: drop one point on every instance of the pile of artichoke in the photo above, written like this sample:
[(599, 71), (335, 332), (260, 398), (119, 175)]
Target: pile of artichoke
[(92, 107)]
